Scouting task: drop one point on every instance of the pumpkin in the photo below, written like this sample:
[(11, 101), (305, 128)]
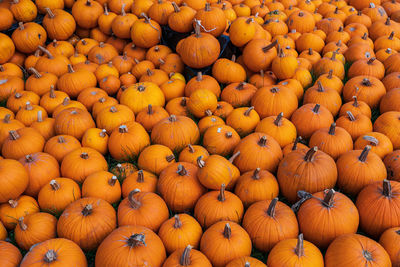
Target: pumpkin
[(220, 139), (145, 32), (228, 71), (42, 168), (187, 257), (15, 178), (380, 143), (18, 100), (121, 25), (272, 100), (28, 37), (209, 121), (192, 153), (3, 232), (11, 69), (391, 165), (278, 127), (180, 231), (23, 10), (143, 180), (258, 54), (202, 101), (387, 124), (10, 254), (15, 208), (238, 94), (181, 19), (95, 213), (355, 107), (55, 251), (355, 250), (59, 24), (245, 261), (102, 53), (223, 109), (334, 140), (61, 145), (74, 82), (56, 64), (102, 185), (40, 83), (257, 150), (269, 221), (142, 208), (86, 13), (190, 47), (324, 96), (22, 142), (105, 20), (30, 113), (201, 81), (257, 185), (337, 215), (10, 85), (111, 118), (295, 251), (366, 88), (284, 66), (7, 48), (131, 245), (171, 63), (35, 228), (123, 170), (387, 239), (175, 181), (225, 238), (57, 194), (81, 162), (7, 18), (389, 101), (218, 206), (91, 95), (377, 205), (310, 118), (390, 81), (73, 121), (97, 139)]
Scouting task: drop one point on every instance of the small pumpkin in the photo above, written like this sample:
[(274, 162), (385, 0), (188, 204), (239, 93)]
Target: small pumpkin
[(155, 158), (143, 180), (15, 208), (10, 254), (102, 184)]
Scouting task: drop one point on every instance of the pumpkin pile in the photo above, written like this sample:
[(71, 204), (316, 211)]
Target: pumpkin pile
[(200, 133)]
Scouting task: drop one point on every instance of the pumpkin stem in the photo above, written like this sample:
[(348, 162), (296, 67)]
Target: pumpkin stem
[(183, 103), (310, 51), (208, 112), (197, 29), (28, 106), (181, 170), (387, 22), (13, 203), (298, 139), (14, 135), (140, 176), (123, 129), (113, 180), (106, 9), (351, 116), (199, 76), (364, 154), (136, 240), (330, 73), (371, 60), (332, 129), (136, 61), (61, 139), (17, 95), (123, 13), (387, 189), (227, 231), (355, 103), (263, 141), (101, 44), (316, 108), (200, 162), (150, 109), (310, 154), (103, 133), (1, 68), (234, 156), (274, 90), (21, 26), (221, 196), (172, 118), (133, 202), (162, 62), (185, 258), (87, 210), (50, 256), (35, 72), (333, 57), (29, 158), (22, 225), (178, 222), (84, 155), (278, 120), (249, 20), (176, 7), (54, 185), (247, 112), (367, 255), (265, 49), (391, 35), (113, 109), (240, 86), (191, 148), (328, 199), (247, 264), (39, 116), (256, 174), (149, 72), (66, 101), (271, 207), (88, 2), (320, 87), (371, 139), (365, 36), (7, 118), (299, 250), (207, 7), (228, 135), (47, 52), (366, 82), (170, 158)]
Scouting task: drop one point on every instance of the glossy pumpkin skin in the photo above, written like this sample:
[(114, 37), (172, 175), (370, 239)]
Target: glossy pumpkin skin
[(15, 176), (35, 228), (387, 240), (180, 231), (311, 171), (102, 185), (179, 186), (335, 214), (276, 220), (356, 250), (377, 204), (98, 216), (129, 245), (10, 254), (225, 238), (65, 251), (195, 257), (155, 158), (288, 253)]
